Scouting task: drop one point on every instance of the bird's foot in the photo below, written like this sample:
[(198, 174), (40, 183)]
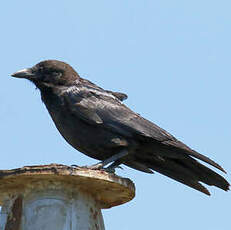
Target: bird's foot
[(100, 166), (117, 159), (97, 166), (75, 166), (111, 168)]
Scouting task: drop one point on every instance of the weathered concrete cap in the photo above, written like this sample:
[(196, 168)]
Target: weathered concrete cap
[(106, 188)]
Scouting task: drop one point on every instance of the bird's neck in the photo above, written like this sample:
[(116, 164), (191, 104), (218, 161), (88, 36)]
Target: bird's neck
[(50, 97)]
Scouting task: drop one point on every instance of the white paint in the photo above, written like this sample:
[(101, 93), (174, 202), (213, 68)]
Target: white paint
[(55, 209), (3, 219), (58, 197)]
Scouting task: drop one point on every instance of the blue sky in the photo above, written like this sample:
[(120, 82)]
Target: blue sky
[(172, 58)]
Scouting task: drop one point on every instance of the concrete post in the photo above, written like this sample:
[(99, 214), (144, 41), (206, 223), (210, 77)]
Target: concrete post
[(58, 197)]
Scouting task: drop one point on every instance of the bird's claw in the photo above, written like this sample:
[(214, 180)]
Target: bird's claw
[(75, 166), (99, 166)]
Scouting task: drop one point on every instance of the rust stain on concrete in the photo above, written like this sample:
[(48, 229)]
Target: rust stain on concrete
[(95, 215), (14, 217)]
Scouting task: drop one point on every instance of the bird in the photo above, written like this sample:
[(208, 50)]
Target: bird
[(97, 123)]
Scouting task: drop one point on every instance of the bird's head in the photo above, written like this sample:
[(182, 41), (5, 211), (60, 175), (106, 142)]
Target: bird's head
[(49, 72)]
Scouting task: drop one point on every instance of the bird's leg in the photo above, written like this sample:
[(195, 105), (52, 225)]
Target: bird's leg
[(115, 158), (111, 168)]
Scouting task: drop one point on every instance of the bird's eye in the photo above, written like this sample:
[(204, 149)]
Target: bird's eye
[(56, 74)]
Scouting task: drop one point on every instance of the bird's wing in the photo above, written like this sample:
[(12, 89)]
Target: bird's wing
[(102, 108), (171, 157), (118, 95)]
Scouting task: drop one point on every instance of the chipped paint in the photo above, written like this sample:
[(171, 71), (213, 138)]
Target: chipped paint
[(59, 197)]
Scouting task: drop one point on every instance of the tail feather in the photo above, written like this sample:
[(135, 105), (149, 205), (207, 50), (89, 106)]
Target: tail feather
[(187, 171), (181, 146), (205, 174), (179, 174), (139, 166)]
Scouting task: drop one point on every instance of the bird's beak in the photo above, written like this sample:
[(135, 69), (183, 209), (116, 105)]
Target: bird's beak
[(25, 73)]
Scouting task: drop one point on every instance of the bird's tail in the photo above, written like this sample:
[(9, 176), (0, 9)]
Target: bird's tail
[(185, 170)]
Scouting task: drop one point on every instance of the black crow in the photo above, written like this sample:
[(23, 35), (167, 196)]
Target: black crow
[(97, 123)]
